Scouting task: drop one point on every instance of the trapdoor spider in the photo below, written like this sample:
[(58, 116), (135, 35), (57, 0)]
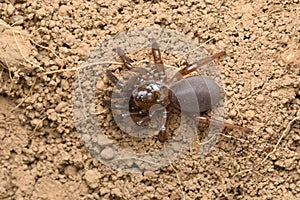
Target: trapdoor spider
[(151, 92)]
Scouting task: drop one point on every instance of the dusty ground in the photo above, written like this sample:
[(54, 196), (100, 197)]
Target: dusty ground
[(41, 154)]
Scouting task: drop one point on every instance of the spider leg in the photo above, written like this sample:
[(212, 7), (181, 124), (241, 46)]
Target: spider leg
[(126, 61), (112, 77), (158, 61), (106, 102), (143, 121), (196, 65), (207, 120), (162, 135), (134, 115), (113, 106), (124, 85)]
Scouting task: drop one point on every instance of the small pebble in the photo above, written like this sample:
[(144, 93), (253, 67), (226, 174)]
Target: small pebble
[(149, 173), (10, 9), (232, 113), (102, 140), (70, 170), (61, 105), (107, 153), (92, 178), (269, 130), (250, 114), (17, 19), (289, 56), (36, 123), (86, 138), (260, 98), (63, 10)]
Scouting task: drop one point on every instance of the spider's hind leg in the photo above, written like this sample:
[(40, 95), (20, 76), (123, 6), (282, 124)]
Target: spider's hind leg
[(207, 120)]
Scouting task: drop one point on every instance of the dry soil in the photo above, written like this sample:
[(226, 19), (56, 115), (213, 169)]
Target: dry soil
[(43, 42)]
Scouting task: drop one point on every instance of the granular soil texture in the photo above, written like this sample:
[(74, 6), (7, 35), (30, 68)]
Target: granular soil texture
[(44, 42)]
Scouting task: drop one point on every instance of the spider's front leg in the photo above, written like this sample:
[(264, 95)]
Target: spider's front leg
[(125, 60), (158, 61), (120, 84), (196, 65), (127, 63)]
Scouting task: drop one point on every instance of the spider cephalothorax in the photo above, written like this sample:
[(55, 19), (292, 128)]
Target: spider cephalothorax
[(150, 94)]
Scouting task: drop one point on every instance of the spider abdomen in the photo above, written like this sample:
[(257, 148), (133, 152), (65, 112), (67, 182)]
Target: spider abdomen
[(187, 93)]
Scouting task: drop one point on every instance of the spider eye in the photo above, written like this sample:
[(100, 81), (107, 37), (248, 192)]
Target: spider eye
[(140, 96), (149, 96)]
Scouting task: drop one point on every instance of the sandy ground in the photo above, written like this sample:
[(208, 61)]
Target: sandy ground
[(41, 154)]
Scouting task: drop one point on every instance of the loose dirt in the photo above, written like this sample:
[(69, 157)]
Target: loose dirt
[(44, 42)]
